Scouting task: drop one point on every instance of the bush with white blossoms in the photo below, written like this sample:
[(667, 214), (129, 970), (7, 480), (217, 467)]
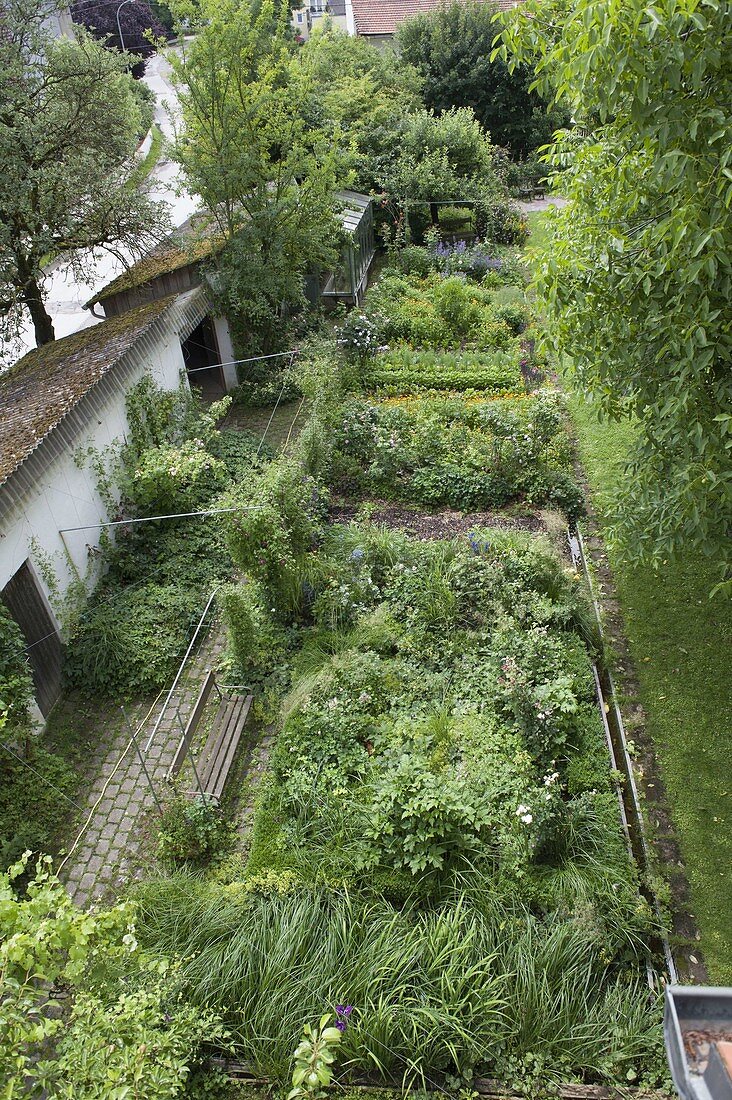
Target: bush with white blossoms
[(361, 336)]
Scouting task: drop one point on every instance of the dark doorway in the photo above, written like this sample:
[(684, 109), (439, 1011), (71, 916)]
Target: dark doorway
[(23, 599), (201, 358)]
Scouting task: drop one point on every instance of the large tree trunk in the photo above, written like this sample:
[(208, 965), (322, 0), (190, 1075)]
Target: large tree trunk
[(42, 323)]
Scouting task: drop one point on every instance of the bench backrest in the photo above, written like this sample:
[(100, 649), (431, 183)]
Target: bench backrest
[(192, 725)]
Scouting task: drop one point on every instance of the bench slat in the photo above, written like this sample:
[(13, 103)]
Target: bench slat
[(231, 745), (207, 759)]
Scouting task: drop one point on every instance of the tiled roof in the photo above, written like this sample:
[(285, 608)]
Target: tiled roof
[(45, 385), (185, 246), (384, 16)]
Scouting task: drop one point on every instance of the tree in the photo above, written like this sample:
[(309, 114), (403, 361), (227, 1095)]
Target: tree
[(139, 24), (636, 278), (123, 1028), (266, 180), (451, 49), (347, 86), (68, 131), (447, 159)]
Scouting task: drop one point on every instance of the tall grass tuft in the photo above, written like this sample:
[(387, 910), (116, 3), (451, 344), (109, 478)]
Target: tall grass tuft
[(463, 985)]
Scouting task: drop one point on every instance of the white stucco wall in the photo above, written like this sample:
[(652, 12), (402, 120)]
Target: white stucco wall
[(63, 494)]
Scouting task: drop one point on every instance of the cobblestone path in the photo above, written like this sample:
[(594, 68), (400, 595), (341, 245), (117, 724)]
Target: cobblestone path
[(118, 783)]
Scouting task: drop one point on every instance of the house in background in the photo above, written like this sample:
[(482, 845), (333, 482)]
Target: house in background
[(59, 401), (303, 19), (378, 20)]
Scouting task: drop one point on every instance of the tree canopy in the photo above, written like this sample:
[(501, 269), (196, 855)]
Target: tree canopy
[(266, 179), (451, 50), (68, 131), (637, 274), (138, 21)]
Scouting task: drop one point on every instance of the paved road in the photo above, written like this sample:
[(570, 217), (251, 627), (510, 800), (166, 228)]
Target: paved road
[(66, 295)]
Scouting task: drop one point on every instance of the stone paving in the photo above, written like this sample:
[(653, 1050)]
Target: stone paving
[(105, 854)]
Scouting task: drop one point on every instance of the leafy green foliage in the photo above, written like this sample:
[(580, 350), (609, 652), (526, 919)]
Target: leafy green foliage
[(474, 983), (403, 371), (190, 831), (278, 524), (468, 453), (25, 784), (451, 49), (135, 628), (256, 642), (314, 1057), (271, 196), (132, 641), (16, 684), (169, 479), (117, 1035), (437, 312), (67, 139), (637, 273)]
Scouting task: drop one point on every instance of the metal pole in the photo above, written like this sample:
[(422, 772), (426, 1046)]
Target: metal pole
[(119, 25), (133, 735)]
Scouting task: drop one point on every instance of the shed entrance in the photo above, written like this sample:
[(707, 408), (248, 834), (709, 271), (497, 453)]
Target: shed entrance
[(202, 361), (25, 602)]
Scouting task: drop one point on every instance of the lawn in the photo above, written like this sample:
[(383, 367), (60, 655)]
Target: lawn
[(680, 641)]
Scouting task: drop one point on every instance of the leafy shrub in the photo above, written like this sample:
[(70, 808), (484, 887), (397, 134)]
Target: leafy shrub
[(256, 643), (456, 219), (132, 644), (33, 794), (414, 260), (190, 831), (280, 520), (437, 311), (463, 453), (176, 479), (422, 819), (16, 684), (360, 336)]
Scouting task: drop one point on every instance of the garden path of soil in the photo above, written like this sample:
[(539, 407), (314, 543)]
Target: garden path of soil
[(436, 525)]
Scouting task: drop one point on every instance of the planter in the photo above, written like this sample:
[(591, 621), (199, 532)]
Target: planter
[(697, 1027)]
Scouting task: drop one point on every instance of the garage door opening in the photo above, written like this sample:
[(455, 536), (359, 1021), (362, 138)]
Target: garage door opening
[(202, 360), (25, 602)]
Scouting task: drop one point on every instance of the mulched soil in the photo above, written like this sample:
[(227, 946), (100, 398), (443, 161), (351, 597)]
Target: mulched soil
[(437, 525)]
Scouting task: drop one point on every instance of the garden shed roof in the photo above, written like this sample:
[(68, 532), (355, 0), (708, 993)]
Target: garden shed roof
[(47, 383), (183, 247), (355, 206), (382, 17)]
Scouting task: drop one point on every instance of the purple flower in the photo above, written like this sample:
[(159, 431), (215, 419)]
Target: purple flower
[(343, 1012)]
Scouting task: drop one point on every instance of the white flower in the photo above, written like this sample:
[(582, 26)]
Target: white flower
[(527, 819)]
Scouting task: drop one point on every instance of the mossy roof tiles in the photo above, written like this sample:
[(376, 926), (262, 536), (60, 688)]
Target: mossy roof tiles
[(180, 249), (45, 385)]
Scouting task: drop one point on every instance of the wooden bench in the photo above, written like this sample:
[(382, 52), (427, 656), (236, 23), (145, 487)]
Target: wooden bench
[(214, 763)]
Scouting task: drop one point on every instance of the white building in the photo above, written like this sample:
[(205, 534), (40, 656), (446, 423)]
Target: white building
[(58, 402)]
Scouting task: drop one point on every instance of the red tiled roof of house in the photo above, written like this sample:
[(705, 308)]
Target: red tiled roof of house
[(384, 16)]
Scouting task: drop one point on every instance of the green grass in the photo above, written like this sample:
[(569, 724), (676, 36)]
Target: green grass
[(153, 154), (680, 641)]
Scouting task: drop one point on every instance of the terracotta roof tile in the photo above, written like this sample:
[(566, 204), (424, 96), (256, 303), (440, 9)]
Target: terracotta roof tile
[(45, 385), (384, 16)]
